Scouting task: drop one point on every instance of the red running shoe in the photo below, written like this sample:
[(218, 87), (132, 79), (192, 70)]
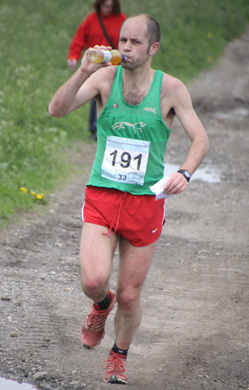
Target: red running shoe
[(93, 330), (115, 368)]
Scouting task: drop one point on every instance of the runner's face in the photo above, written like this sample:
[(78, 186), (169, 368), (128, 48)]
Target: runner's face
[(133, 42)]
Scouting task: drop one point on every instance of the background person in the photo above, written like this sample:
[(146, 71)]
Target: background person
[(136, 107), (90, 33)]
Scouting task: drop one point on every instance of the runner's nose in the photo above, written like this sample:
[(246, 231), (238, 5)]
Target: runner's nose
[(127, 46)]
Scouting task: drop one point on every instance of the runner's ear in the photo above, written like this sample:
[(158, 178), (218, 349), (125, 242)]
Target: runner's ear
[(154, 47)]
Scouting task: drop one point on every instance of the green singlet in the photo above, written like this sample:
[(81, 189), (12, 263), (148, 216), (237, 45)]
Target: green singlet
[(131, 141)]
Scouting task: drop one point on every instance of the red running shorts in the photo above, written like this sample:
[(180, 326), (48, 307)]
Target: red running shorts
[(138, 218)]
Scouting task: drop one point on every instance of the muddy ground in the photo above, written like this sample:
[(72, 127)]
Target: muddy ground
[(195, 329)]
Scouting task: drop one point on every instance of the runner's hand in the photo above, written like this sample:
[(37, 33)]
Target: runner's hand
[(176, 184), (89, 66)]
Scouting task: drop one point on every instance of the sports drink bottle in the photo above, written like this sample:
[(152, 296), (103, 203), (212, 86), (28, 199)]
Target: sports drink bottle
[(99, 56)]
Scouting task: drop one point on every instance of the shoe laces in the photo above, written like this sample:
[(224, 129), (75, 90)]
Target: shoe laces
[(114, 363), (96, 319)]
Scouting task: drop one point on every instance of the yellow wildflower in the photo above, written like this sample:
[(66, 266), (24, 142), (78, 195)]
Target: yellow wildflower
[(39, 196), (24, 190)]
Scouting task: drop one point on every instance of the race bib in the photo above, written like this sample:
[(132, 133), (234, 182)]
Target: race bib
[(125, 160)]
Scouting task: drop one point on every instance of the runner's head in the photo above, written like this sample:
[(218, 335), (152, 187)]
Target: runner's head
[(139, 40)]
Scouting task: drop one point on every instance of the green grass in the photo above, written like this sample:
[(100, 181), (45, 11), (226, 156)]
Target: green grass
[(35, 36)]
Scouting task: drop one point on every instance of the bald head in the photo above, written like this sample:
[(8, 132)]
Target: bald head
[(153, 31)]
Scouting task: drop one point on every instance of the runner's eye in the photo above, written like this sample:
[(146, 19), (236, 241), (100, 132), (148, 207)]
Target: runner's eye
[(135, 42)]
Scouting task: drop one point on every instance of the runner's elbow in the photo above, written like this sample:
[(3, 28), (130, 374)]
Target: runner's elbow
[(206, 145), (53, 110)]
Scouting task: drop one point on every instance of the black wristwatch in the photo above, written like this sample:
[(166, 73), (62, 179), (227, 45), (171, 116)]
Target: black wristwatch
[(185, 173)]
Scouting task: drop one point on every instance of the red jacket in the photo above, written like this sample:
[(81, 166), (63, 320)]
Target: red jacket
[(90, 33)]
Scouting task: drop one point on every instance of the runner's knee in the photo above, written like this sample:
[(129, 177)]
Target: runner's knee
[(93, 285), (128, 300)]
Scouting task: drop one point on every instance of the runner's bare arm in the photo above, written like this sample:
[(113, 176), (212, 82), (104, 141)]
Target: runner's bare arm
[(182, 105), (83, 86), (193, 127)]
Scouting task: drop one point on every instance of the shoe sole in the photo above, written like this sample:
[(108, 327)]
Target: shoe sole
[(114, 379), (86, 346)]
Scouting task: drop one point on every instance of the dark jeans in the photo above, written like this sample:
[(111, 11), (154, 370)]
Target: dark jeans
[(93, 117)]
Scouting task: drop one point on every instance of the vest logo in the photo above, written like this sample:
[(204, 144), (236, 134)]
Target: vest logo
[(115, 105), (136, 126), (151, 109)]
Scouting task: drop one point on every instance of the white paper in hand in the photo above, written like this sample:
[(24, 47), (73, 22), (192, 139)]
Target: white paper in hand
[(158, 189)]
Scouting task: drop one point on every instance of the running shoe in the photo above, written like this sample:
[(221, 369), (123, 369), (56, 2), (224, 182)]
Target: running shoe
[(93, 330), (115, 367)]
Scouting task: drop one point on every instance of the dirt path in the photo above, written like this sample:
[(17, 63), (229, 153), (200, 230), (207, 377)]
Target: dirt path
[(194, 334)]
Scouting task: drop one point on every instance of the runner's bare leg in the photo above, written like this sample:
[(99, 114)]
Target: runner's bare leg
[(134, 265)]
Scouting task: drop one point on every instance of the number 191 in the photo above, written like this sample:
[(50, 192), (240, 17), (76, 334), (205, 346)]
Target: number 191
[(126, 159)]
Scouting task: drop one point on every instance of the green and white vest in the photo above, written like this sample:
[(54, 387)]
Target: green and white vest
[(131, 141)]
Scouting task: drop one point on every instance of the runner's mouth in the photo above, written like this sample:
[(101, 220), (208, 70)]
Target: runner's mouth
[(127, 59)]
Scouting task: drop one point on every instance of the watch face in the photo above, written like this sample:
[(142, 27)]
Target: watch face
[(185, 173)]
